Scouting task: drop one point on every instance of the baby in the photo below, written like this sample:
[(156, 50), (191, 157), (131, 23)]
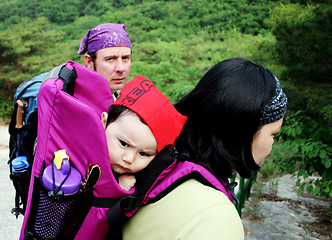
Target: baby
[(138, 125)]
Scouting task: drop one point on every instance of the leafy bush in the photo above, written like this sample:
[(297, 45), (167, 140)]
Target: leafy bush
[(5, 109), (306, 156), (304, 39)]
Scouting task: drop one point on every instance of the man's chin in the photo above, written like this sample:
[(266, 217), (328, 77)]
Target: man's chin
[(115, 86)]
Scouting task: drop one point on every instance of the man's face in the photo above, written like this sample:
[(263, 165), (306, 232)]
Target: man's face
[(113, 63)]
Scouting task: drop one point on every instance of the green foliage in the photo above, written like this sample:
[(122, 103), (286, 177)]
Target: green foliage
[(5, 108), (175, 42), (56, 11), (303, 34), (253, 204), (24, 50), (268, 170), (306, 154), (313, 99), (169, 43)]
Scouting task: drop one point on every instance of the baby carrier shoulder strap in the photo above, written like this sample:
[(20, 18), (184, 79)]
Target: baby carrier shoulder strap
[(144, 181), (163, 175)]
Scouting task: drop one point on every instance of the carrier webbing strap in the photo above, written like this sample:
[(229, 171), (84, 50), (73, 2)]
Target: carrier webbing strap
[(68, 77), (144, 181), (147, 177), (106, 202), (115, 222)]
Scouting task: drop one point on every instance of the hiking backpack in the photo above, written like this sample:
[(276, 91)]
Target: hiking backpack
[(23, 133), (22, 136)]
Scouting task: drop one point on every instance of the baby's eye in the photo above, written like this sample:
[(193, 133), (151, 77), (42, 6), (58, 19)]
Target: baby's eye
[(124, 143), (143, 154)]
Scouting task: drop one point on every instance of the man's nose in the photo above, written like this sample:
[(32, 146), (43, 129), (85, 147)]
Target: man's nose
[(119, 65)]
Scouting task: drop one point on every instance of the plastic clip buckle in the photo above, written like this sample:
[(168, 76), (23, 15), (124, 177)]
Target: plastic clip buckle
[(130, 203)]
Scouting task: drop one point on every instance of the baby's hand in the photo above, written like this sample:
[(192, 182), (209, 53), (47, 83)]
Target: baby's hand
[(127, 181)]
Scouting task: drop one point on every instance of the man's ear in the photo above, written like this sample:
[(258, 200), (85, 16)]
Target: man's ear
[(88, 61), (104, 116)]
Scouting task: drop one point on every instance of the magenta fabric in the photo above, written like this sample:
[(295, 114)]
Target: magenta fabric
[(175, 171), (73, 123), (183, 168)]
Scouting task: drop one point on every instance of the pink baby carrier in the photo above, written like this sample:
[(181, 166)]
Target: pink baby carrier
[(69, 110)]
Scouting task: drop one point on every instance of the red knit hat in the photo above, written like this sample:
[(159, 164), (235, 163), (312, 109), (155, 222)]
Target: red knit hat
[(142, 97)]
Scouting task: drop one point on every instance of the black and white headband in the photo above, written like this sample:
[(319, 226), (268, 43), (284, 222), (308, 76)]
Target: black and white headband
[(276, 108)]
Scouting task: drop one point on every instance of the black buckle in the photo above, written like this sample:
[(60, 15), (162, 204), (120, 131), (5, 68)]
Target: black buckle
[(130, 203), (231, 186), (68, 77)]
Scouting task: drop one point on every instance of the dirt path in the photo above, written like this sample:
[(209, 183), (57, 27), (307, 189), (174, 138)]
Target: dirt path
[(284, 215), (9, 225)]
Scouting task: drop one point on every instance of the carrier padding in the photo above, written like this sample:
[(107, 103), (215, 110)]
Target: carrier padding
[(73, 123), (182, 172), (152, 189)]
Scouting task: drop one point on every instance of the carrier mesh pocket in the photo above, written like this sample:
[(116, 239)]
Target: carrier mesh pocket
[(61, 218)]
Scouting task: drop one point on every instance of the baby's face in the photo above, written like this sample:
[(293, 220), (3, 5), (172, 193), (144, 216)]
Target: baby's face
[(131, 144)]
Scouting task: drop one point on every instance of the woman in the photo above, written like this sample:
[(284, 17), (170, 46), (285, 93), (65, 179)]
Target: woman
[(233, 114)]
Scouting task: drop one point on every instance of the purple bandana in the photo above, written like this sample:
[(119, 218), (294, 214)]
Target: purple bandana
[(103, 36)]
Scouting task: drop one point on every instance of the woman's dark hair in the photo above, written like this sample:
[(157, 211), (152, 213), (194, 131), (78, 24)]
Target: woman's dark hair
[(115, 111), (223, 115)]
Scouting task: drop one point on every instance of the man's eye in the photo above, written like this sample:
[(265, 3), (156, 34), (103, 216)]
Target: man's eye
[(143, 154), (124, 143)]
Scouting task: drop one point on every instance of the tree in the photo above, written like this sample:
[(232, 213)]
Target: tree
[(304, 45), (22, 50)]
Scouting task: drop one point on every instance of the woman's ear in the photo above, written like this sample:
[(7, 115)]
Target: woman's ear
[(104, 116)]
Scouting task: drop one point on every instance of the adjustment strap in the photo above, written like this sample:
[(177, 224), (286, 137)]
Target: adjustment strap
[(130, 203), (115, 222), (68, 77), (105, 202), (147, 177)]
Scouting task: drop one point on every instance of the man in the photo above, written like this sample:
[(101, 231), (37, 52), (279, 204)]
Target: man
[(108, 52)]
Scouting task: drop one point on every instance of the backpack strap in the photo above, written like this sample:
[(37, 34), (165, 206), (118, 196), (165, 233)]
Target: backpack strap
[(54, 73), (164, 165), (145, 179), (68, 76)]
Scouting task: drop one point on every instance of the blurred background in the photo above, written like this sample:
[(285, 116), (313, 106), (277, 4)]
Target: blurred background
[(175, 42)]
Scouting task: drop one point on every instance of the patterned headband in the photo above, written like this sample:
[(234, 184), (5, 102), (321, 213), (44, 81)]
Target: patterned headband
[(276, 108)]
